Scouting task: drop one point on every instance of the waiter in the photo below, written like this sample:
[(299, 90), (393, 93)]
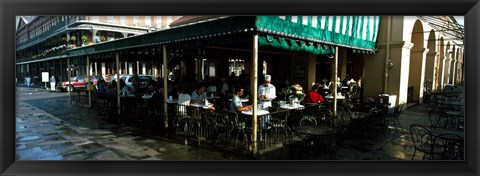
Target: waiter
[(267, 92)]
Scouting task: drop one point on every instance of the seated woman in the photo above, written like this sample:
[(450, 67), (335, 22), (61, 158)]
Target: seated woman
[(297, 91), (313, 96)]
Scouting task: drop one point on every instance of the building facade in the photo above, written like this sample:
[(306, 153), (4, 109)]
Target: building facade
[(413, 50), (42, 41)]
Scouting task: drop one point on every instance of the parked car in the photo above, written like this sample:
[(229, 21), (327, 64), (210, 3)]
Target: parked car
[(143, 79), (78, 82)]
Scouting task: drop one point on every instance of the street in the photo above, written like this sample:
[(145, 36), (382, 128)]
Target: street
[(49, 128)]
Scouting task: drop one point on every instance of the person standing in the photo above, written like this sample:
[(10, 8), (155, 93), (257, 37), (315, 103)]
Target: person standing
[(267, 92), (52, 83), (27, 81)]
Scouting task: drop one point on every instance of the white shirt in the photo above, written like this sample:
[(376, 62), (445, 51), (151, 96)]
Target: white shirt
[(224, 89), (199, 97), (183, 101), (269, 91), (235, 103)]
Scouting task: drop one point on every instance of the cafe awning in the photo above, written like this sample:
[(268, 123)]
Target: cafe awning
[(312, 34), (317, 34)]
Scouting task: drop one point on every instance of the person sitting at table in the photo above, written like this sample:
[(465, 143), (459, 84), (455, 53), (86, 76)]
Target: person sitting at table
[(236, 104), (313, 96), (158, 94), (339, 85), (129, 90), (184, 100), (296, 88), (199, 96), (101, 87), (267, 92), (297, 91)]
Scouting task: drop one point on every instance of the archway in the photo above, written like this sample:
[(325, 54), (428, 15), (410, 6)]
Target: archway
[(417, 64)]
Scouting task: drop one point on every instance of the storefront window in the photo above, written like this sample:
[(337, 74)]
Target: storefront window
[(236, 66), (211, 70)]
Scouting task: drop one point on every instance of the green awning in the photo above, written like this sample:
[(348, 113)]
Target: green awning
[(300, 33), (312, 34)]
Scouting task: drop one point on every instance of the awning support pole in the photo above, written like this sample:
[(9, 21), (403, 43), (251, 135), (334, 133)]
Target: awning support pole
[(88, 80), (254, 95), (69, 79), (335, 74), (165, 88), (117, 60)]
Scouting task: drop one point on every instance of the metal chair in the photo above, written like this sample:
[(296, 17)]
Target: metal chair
[(452, 146), (423, 142), (393, 118), (279, 127), (239, 127)]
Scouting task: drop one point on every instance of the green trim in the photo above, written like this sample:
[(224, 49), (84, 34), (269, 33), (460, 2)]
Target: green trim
[(273, 25), (294, 45)]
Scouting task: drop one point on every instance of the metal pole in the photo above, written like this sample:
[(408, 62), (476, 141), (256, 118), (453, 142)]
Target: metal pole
[(335, 74), (69, 79), (88, 80), (118, 82), (387, 58), (165, 88), (253, 77)]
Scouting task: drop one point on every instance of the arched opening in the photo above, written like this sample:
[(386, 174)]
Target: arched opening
[(417, 65)]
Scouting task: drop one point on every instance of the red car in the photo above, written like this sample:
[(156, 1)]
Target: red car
[(78, 82)]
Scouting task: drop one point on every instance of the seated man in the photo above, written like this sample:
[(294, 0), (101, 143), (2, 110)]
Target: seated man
[(199, 96), (101, 86), (236, 104)]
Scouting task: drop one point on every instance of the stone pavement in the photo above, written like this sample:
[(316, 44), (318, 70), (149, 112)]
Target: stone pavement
[(53, 129)]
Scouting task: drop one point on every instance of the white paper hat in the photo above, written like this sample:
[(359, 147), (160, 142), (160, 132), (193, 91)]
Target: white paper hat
[(268, 78)]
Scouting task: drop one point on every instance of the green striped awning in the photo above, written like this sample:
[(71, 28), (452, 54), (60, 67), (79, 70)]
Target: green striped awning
[(313, 34)]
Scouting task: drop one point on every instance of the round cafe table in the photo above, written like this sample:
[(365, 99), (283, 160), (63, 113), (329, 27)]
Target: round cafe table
[(243, 100), (259, 113), (339, 97), (292, 107), (314, 130)]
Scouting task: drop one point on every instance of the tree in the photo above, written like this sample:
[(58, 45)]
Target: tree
[(84, 39), (103, 38), (73, 39)]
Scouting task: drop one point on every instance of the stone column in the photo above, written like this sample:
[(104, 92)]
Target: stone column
[(446, 73), (430, 70), (453, 72), (417, 72), (441, 73)]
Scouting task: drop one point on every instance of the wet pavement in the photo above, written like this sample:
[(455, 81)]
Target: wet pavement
[(50, 128)]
